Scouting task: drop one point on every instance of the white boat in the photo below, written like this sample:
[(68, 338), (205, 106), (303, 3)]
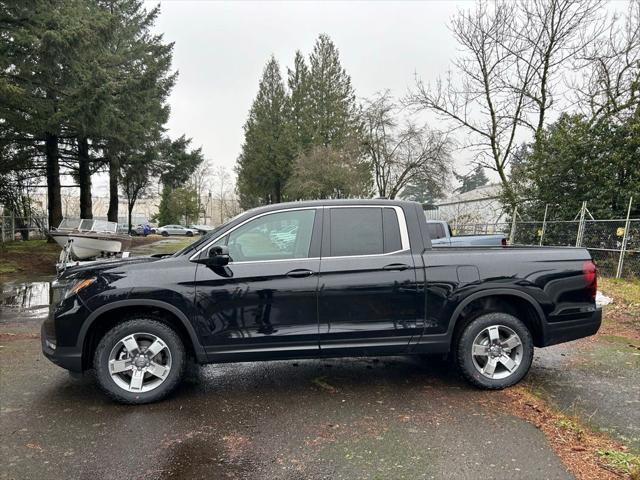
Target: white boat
[(85, 239)]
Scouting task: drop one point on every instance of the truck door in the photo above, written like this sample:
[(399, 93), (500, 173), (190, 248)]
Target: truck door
[(367, 294), (265, 301)]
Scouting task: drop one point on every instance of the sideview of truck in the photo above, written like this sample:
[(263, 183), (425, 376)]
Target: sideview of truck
[(318, 279)]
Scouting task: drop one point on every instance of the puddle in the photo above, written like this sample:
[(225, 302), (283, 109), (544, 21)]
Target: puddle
[(26, 301)]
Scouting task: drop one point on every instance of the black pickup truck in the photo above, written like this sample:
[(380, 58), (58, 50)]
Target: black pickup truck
[(320, 278)]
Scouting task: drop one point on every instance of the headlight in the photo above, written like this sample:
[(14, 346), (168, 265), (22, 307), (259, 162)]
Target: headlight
[(70, 287)]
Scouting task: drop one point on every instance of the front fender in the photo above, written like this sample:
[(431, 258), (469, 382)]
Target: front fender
[(142, 302)]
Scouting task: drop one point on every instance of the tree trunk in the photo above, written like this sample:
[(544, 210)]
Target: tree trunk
[(276, 192), (84, 175), (114, 173), (54, 201), (130, 209)]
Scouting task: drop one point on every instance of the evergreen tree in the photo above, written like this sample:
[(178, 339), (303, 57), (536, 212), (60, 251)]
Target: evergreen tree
[(333, 114), (264, 165), (300, 113), (577, 160), (474, 179), (41, 52), (141, 80)]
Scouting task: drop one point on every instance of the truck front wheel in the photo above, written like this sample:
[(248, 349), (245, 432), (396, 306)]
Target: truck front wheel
[(494, 351), (139, 361)]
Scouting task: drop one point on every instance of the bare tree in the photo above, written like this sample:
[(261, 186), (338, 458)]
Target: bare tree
[(508, 74), (551, 34), (611, 65), (402, 153), (223, 187), (201, 182), (330, 172)]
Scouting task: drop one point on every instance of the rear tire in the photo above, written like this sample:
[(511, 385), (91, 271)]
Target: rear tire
[(138, 361), (189, 234), (165, 234), (494, 351)]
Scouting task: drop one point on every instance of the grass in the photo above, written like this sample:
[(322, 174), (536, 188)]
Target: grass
[(627, 291), (624, 462), (622, 317), (31, 256)]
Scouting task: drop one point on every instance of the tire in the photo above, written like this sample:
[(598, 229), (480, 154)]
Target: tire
[(165, 234), (189, 234), (503, 351), (147, 387)]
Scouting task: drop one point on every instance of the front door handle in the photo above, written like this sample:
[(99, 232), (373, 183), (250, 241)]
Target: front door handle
[(396, 266), (300, 272)]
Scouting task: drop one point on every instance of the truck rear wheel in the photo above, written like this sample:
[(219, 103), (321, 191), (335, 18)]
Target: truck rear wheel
[(139, 361), (494, 351)]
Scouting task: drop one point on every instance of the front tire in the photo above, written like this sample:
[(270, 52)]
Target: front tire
[(138, 361), (494, 351), (165, 234)]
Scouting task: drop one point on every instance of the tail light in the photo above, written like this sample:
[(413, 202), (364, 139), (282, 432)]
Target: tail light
[(504, 242), (590, 274)]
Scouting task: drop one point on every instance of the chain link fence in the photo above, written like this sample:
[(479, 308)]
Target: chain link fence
[(19, 228), (604, 239)]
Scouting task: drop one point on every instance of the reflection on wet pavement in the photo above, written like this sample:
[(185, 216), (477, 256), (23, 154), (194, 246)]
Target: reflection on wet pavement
[(24, 301)]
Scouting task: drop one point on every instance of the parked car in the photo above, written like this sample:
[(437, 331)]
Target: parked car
[(201, 229), (359, 278), (440, 233), (175, 230), (141, 230)]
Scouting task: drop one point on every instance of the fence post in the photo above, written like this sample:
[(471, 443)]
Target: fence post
[(512, 235), (544, 223), (625, 237), (2, 226), (13, 226), (583, 212)]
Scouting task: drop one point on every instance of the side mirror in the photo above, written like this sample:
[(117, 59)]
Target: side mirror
[(218, 256)]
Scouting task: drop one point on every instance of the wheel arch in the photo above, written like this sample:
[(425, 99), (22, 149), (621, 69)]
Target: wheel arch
[(505, 300), (107, 316)]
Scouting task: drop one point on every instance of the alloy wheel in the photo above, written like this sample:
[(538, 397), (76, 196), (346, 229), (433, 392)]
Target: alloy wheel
[(139, 362), (497, 352)]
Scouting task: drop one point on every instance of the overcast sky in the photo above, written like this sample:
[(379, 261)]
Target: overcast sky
[(222, 47)]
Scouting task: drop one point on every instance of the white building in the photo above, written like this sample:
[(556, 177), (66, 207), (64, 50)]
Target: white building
[(481, 205)]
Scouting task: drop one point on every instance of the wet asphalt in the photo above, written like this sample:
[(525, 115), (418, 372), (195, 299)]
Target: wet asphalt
[(598, 381), (397, 417), (374, 418)]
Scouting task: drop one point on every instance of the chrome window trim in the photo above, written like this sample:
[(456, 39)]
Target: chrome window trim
[(402, 223)]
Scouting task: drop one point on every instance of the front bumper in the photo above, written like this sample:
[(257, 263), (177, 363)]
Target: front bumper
[(567, 330), (69, 358)]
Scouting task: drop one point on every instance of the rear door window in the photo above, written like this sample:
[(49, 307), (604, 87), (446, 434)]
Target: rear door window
[(363, 231)]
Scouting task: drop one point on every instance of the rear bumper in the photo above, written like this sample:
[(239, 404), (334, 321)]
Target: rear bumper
[(567, 330)]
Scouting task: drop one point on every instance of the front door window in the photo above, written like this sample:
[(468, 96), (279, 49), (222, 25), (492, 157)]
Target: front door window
[(275, 236)]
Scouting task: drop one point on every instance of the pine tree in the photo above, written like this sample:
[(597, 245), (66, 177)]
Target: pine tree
[(300, 113), (265, 163), (141, 80), (333, 108), (41, 53), (476, 178)]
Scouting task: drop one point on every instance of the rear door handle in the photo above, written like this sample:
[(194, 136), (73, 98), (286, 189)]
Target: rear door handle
[(300, 272), (396, 266)]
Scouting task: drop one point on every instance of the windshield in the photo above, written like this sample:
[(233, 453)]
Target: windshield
[(205, 238)]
